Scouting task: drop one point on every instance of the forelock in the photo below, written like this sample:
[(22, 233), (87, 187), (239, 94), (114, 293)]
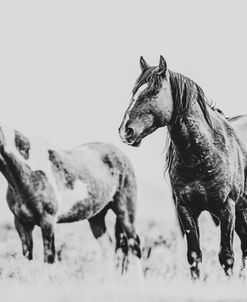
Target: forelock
[(150, 77)]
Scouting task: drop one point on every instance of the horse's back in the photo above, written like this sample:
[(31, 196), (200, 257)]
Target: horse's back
[(239, 123), (98, 163), (105, 154)]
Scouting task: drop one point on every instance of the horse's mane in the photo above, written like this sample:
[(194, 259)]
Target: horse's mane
[(184, 91)]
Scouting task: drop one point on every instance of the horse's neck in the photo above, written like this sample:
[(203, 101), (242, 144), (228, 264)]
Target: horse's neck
[(191, 132)]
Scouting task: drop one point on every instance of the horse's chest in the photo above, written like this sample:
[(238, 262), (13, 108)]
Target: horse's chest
[(193, 194), (201, 184)]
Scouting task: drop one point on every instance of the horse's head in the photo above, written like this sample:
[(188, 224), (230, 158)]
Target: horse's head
[(151, 104)]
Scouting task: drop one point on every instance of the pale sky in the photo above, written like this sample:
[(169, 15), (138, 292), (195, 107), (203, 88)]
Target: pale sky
[(67, 68)]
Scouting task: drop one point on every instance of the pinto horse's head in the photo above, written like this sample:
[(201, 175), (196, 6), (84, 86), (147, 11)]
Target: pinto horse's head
[(151, 104)]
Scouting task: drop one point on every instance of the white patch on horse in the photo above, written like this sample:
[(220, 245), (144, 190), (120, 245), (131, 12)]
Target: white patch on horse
[(39, 160), (165, 95), (69, 197)]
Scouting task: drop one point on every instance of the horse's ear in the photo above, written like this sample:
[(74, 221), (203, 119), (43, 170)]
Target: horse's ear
[(144, 65), (162, 65)]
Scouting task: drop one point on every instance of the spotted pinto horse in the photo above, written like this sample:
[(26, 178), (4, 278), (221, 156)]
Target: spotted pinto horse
[(48, 186)]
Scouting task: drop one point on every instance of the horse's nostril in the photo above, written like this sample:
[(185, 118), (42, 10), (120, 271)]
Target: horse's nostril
[(129, 132)]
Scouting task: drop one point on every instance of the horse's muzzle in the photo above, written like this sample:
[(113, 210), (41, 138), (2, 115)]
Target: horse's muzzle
[(132, 140), (129, 136)]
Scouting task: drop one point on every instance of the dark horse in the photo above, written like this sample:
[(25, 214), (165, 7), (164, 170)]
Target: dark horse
[(48, 186), (206, 156)]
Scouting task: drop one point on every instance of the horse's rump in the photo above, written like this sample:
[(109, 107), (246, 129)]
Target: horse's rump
[(239, 123)]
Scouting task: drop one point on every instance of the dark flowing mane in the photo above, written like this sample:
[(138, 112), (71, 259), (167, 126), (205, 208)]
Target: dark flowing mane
[(184, 91)]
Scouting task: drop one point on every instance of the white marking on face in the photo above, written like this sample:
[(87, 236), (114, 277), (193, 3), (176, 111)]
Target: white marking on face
[(69, 197), (134, 99), (139, 91)]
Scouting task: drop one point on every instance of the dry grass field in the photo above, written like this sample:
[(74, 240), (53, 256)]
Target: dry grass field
[(81, 274)]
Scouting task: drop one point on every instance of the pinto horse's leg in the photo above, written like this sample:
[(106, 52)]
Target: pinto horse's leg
[(124, 208), (121, 250), (98, 227), (226, 216), (126, 219), (190, 224), (241, 230), (47, 228), (25, 233)]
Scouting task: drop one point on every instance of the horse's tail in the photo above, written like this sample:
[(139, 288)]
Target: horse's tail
[(181, 227)]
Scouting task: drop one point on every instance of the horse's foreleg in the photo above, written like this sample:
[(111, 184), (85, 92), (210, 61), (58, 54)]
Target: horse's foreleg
[(25, 233), (190, 224), (241, 230), (227, 223), (47, 228)]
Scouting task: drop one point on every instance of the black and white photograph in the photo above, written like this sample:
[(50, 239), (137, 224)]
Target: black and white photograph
[(123, 151)]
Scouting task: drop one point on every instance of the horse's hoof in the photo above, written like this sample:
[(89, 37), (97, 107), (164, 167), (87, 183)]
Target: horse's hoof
[(243, 274)]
